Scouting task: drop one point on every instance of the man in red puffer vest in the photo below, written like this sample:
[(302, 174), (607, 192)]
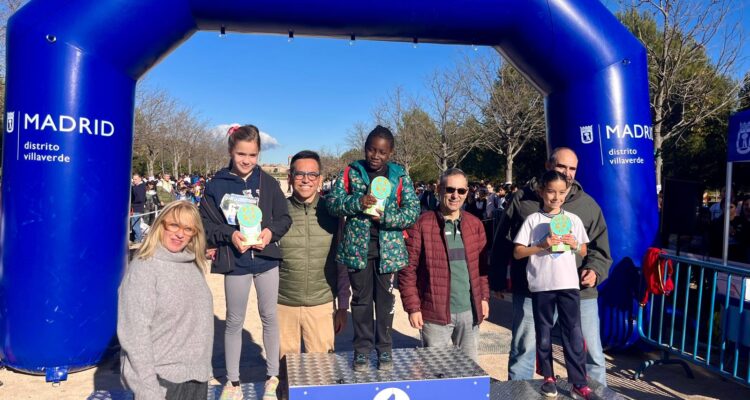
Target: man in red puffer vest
[(444, 288)]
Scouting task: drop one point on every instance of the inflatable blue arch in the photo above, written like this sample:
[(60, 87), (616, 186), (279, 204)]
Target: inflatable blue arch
[(72, 68)]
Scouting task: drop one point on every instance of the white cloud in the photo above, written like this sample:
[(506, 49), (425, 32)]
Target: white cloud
[(267, 142)]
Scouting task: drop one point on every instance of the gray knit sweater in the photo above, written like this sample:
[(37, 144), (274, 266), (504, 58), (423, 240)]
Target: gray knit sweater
[(164, 323)]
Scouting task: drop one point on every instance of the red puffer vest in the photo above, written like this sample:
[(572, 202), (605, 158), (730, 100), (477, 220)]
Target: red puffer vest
[(425, 283)]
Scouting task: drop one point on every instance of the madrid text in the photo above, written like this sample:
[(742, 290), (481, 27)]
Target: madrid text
[(68, 124)]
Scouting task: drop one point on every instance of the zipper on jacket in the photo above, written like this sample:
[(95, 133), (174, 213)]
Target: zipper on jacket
[(448, 259)]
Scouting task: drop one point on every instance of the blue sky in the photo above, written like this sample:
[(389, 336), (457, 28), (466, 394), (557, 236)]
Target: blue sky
[(306, 94)]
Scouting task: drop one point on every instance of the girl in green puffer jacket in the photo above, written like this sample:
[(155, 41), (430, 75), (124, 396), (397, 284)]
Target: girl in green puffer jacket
[(373, 247)]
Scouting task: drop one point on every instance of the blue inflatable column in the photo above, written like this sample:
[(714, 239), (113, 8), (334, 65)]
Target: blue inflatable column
[(611, 132), (65, 189), (66, 162)]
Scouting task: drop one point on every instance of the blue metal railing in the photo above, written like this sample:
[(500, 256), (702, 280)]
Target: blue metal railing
[(706, 314)]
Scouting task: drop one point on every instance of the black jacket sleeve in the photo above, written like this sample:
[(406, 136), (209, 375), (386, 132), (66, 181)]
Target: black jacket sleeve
[(218, 232), (502, 246), (281, 220)]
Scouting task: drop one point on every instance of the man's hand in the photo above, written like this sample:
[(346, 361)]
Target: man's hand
[(237, 239), (415, 319), (497, 294), (211, 254), (339, 321), (485, 309), (588, 278)]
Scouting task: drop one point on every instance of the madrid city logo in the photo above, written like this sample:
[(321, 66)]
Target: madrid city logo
[(10, 121), (743, 138), (587, 134)]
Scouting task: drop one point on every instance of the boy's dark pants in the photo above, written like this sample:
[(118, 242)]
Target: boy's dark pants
[(368, 286), (568, 307)]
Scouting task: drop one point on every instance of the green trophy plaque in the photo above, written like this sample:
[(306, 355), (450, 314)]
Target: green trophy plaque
[(249, 217), (381, 188), (560, 226)]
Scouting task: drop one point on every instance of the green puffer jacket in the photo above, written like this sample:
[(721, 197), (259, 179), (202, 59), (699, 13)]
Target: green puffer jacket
[(352, 250), (308, 271)]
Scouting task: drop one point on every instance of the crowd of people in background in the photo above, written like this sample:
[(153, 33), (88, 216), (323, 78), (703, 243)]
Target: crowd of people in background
[(706, 236), (149, 195)]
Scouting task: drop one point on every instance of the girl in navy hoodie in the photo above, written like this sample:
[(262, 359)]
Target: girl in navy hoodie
[(243, 264)]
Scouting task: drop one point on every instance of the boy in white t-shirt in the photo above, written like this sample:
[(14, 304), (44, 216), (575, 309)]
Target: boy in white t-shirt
[(554, 284)]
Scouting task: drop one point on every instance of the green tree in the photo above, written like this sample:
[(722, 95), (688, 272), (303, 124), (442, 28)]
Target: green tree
[(687, 86), (745, 93), (511, 111)]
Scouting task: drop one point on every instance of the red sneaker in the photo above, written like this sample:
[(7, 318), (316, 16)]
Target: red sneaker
[(549, 388), (584, 393)]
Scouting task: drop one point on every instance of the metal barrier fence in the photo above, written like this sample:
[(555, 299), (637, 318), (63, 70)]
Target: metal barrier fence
[(704, 321)]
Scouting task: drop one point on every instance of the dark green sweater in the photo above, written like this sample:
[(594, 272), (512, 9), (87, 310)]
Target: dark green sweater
[(308, 272)]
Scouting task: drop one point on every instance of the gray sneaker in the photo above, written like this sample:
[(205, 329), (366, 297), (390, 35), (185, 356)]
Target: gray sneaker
[(385, 361), (361, 362)]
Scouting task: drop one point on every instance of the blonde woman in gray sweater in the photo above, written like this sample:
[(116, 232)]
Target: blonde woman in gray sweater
[(165, 311)]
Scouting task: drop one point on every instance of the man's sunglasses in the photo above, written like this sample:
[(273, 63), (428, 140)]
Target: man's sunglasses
[(451, 190)]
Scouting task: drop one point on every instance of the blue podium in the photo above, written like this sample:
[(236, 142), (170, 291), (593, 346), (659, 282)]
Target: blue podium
[(418, 374)]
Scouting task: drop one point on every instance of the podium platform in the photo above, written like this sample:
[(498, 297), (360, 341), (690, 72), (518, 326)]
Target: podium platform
[(418, 374), (529, 390)]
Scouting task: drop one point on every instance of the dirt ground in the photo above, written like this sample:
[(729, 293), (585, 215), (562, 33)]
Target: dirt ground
[(660, 383)]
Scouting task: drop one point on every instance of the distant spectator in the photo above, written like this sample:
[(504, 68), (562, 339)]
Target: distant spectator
[(428, 201), (165, 190), (138, 205)]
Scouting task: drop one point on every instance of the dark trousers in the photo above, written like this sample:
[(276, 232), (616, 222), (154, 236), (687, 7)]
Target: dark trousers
[(368, 286), (190, 390), (568, 307)]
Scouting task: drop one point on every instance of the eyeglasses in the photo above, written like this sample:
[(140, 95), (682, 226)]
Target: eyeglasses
[(174, 227), (298, 175), (451, 190)]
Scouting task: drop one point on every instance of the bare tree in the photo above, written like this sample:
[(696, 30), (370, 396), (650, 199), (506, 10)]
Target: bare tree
[(447, 137), (331, 163), (357, 135), (181, 127), (153, 115), (398, 113), (510, 110), (686, 85)]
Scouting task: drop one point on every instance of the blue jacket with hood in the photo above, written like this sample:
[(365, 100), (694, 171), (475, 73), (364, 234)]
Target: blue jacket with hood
[(276, 218)]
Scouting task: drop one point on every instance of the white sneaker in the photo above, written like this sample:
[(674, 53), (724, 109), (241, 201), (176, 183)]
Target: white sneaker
[(270, 389), (231, 392)]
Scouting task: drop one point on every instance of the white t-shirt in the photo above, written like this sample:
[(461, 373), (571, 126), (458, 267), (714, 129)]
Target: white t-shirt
[(546, 270)]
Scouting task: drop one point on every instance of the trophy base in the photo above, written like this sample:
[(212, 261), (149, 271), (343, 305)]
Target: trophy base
[(251, 235), (251, 242), (560, 248)]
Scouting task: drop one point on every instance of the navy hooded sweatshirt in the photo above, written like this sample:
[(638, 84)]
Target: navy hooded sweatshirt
[(272, 203)]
